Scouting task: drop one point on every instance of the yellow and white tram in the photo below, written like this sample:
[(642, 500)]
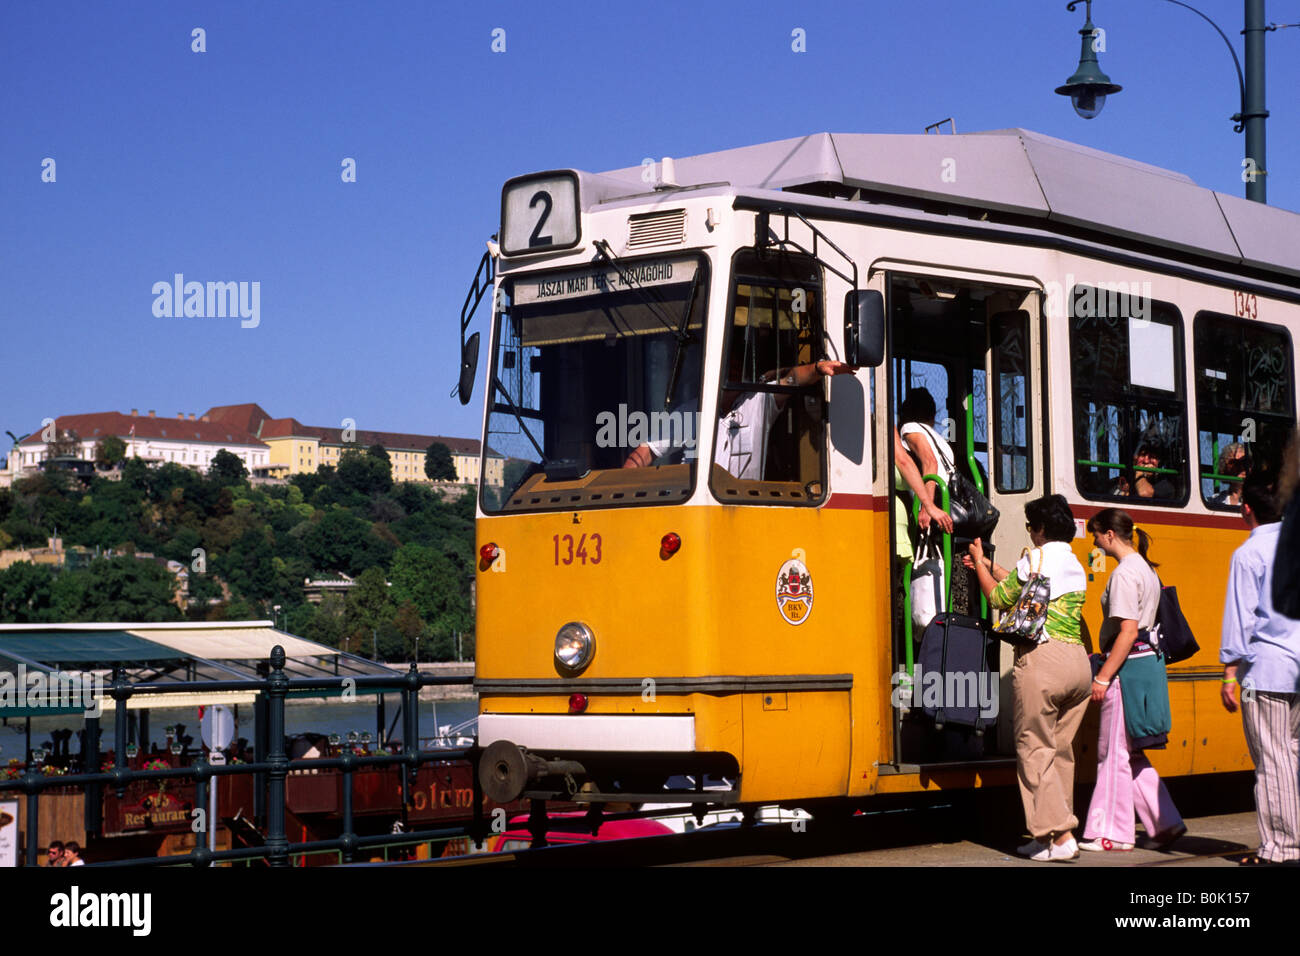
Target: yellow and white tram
[(725, 610)]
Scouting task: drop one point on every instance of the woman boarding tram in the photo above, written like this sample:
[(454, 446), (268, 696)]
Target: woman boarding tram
[(1050, 679)]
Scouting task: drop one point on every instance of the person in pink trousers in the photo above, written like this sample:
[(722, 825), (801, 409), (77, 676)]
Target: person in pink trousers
[(1133, 675)]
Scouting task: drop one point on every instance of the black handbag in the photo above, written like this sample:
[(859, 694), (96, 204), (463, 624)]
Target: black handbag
[(1286, 563), (973, 515)]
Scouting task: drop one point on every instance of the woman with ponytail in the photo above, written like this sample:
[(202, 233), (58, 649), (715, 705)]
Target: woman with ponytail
[(1134, 696)]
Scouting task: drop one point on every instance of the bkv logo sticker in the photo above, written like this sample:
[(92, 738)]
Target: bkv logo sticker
[(794, 591)]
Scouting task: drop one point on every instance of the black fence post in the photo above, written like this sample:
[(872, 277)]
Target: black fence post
[(478, 825), (349, 838), (120, 694), (411, 733), (90, 764), (202, 775), (32, 787), (259, 750), (276, 843)]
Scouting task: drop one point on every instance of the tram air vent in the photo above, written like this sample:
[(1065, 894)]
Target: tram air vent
[(656, 229)]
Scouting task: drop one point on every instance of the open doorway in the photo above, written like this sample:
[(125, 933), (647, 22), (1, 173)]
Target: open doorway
[(962, 359)]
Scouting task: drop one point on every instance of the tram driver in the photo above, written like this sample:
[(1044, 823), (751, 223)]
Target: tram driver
[(741, 443)]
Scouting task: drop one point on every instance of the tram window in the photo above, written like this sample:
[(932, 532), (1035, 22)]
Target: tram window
[(1012, 455), (595, 385), (1245, 402), (770, 436), (1130, 436)]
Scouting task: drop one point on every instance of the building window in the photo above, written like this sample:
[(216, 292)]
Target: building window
[(1130, 434)]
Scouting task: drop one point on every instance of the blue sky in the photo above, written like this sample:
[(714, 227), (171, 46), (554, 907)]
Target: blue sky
[(225, 165)]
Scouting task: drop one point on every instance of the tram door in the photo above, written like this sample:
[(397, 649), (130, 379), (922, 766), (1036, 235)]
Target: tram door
[(974, 349), (1013, 415)]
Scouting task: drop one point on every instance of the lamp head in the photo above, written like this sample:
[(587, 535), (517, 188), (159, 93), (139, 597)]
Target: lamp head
[(1088, 87)]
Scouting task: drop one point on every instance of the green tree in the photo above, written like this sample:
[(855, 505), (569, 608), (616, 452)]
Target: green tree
[(363, 474), (227, 468), (378, 451), (110, 450), (437, 589), (25, 592), (438, 465), (369, 606), (410, 627)]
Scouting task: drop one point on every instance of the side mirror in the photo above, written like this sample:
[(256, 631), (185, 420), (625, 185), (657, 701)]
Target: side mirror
[(864, 328), (468, 368)]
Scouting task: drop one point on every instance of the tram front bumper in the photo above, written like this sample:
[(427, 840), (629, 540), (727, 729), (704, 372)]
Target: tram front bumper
[(540, 752), (624, 733)]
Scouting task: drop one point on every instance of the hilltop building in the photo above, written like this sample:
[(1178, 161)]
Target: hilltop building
[(268, 447)]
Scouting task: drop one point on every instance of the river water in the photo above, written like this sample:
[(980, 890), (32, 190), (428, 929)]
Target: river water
[(300, 716)]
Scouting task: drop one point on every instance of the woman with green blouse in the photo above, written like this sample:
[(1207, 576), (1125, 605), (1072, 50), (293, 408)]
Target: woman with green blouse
[(1050, 681)]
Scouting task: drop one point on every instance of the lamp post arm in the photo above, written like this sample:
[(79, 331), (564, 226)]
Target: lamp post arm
[(1241, 80)]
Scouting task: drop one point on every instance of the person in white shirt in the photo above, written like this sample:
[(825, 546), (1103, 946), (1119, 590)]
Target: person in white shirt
[(741, 443)]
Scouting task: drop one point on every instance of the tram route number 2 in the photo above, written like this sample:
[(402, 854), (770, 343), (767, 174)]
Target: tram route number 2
[(585, 548), (1247, 305)]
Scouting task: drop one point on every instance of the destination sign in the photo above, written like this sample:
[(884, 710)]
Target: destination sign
[(594, 280)]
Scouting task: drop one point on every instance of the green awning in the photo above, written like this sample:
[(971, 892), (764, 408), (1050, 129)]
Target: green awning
[(55, 647)]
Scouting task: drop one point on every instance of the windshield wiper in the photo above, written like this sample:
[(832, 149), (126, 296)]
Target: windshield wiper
[(604, 251), (683, 336), (514, 410)]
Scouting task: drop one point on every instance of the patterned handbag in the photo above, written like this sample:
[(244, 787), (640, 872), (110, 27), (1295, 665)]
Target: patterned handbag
[(1024, 625)]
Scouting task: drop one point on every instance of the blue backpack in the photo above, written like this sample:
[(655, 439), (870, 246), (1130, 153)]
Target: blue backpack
[(1175, 639)]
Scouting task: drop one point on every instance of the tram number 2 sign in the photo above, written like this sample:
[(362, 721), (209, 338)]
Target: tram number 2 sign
[(585, 549), (539, 213)]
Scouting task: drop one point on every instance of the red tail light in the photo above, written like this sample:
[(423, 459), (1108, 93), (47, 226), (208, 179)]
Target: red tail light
[(669, 545), (487, 554), (577, 703)]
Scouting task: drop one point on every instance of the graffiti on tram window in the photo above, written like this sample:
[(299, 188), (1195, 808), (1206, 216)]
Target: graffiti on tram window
[(1266, 378)]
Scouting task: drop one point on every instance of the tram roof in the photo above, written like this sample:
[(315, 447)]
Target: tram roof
[(1013, 171)]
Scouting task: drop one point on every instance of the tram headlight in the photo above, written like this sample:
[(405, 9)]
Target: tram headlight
[(575, 646)]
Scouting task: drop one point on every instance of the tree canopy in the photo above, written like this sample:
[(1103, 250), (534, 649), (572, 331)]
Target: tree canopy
[(245, 548), (438, 464)]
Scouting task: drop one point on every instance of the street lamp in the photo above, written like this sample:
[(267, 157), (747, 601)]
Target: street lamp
[(1088, 87)]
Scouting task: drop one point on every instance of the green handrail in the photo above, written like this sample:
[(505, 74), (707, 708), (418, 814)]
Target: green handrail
[(1233, 478), (970, 443), (975, 475), (1115, 464)]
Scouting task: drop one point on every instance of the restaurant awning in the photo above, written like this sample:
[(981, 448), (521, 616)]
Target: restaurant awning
[(170, 652)]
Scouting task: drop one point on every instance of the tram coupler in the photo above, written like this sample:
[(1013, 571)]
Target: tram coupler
[(505, 770)]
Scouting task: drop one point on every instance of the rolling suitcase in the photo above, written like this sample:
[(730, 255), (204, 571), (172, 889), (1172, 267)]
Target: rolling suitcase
[(954, 672)]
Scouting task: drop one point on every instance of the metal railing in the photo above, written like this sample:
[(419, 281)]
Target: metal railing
[(277, 849)]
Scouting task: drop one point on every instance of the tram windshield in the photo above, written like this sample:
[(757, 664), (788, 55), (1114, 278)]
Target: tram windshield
[(597, 370)]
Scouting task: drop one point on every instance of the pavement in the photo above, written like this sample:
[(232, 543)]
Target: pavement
[(1210, 841)]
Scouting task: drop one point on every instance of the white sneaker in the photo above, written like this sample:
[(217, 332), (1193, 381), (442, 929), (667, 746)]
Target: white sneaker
[(1032, 847), (1057, 853), (1102, 844)]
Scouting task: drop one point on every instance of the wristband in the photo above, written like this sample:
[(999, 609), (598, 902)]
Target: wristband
[(1229, 680), (1103, 683)]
